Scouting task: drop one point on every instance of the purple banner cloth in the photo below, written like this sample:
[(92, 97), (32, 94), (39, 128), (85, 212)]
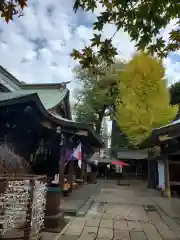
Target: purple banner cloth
[(69, 155)]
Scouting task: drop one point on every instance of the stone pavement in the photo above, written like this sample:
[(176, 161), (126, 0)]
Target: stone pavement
[(121, 213), (170, 207), (90, 228), (80, 200)]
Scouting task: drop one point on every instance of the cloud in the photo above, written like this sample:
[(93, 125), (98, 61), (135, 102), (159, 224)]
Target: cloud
[(37, 46), (172, 65)]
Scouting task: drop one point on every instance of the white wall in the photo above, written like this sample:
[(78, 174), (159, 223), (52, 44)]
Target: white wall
[(161, 174)]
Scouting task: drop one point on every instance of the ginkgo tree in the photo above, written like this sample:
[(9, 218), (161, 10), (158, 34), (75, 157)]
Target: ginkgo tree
[(144, 101), (142, 20)]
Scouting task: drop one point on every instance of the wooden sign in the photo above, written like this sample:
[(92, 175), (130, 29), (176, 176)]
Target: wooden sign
[(82, 133), (164, 138), (47, 125)]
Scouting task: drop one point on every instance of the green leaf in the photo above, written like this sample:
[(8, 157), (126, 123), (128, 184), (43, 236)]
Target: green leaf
[(175, 35), (75, 54), (77, 5), (98, 25), (92, 5), (96, 41), (142, 20)]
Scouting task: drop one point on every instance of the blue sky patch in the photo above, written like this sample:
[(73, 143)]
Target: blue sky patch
[(175, 57)]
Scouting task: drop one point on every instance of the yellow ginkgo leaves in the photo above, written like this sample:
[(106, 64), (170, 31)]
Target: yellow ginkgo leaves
[(144, 101)]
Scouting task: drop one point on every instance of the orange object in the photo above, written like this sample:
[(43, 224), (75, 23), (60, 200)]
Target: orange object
[(66, 186)]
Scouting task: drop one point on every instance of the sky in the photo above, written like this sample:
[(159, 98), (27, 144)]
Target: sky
[(36, 47)]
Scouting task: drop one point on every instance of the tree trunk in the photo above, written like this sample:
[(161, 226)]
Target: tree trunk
[(99, 121)]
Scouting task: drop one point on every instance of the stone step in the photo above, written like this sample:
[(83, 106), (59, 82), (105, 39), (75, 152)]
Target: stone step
[(84, 209)]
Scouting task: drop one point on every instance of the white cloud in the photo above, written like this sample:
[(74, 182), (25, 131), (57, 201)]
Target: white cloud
[(37, 46), (172, 70)]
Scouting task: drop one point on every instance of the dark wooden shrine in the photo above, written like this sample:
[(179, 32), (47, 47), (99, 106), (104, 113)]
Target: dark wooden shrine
[(37, 135), (42, 138), (167, 139)]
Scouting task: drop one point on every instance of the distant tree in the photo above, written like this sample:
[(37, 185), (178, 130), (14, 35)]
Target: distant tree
[(144, 101), (84, 112), (175, 96), (88, 108), (142, 20), (175, 93), (11, 8), (97, 94)]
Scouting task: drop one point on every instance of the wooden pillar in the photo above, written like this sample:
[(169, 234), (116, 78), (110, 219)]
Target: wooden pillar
[(85, 172), (70, 174), (82, 170), (151, 174), (166, 170), (166, 175), (62, 161)]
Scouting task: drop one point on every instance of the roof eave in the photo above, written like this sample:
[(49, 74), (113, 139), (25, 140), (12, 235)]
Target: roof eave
[(44, 85), (62, 122)]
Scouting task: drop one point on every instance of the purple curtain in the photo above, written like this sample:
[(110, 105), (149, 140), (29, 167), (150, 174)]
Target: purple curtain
[(69, 153)]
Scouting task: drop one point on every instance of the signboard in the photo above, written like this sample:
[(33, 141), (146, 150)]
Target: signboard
[(164, 138), (47, 125), (101, 153), (82, 133)]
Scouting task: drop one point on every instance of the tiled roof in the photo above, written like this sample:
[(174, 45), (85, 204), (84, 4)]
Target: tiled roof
[(50, 97), (11, 95)]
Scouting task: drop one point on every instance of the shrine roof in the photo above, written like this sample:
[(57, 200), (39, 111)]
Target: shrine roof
[(168, 125), (12, 98), (163, 134), (81, 126), (36, 86), (50, 97)]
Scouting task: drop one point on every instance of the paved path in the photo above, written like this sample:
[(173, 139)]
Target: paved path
[(120, 213), (71, 205)]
